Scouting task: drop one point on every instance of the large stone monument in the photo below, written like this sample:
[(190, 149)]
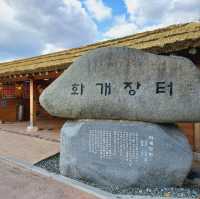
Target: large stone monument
[(126, 85)]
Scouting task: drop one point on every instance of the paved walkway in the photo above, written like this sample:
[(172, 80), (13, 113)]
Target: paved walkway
[(26, 148), (48, 129), (19, 183)]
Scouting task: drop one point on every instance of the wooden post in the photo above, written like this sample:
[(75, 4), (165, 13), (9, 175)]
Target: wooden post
[(197, 137), (32, 126)]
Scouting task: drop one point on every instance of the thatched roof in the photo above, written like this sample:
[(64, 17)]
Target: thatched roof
[(165, 40)]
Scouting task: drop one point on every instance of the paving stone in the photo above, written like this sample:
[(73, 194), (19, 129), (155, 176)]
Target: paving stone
[(17, 182)]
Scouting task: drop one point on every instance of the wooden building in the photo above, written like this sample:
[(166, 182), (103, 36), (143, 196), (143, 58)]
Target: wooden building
[(22, 81)]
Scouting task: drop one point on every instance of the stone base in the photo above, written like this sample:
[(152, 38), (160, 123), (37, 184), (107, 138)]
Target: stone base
[(122, 154), (32, 129)]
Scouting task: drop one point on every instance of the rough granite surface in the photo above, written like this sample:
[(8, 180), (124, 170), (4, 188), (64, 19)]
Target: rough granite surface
[(129, 84)]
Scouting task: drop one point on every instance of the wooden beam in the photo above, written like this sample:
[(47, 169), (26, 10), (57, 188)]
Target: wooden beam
[(32, 126), (36, 76), (49, 75), (197, 137)]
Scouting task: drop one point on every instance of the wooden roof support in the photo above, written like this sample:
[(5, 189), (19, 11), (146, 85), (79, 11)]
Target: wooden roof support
[(32, 126), (197, 137)]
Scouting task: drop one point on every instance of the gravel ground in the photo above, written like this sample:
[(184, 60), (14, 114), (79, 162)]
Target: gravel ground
[(189, 191)]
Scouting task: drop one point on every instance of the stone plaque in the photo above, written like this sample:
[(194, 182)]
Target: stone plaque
[(124, 153)]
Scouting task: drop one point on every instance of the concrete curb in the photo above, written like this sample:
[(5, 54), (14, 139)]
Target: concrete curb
[(75, 184)]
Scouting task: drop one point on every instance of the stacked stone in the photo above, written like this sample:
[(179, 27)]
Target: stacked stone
[(124, 103)]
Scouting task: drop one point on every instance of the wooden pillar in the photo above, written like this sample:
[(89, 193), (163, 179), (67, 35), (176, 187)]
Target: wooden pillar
[(197, 137), (32, 126)]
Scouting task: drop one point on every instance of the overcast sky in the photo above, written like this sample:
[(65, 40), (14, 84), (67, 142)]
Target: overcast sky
[(35, 27)]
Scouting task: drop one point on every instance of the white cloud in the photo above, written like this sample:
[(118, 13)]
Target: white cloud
[(33, 27), (50, 48), (154, 12), (6, 12), (98, 9), (130, 5), (181, 11), (145, 15), (120, 28)]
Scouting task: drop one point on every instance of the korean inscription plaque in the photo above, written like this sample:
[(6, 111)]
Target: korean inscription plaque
[(122, 83), (122, 153)]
